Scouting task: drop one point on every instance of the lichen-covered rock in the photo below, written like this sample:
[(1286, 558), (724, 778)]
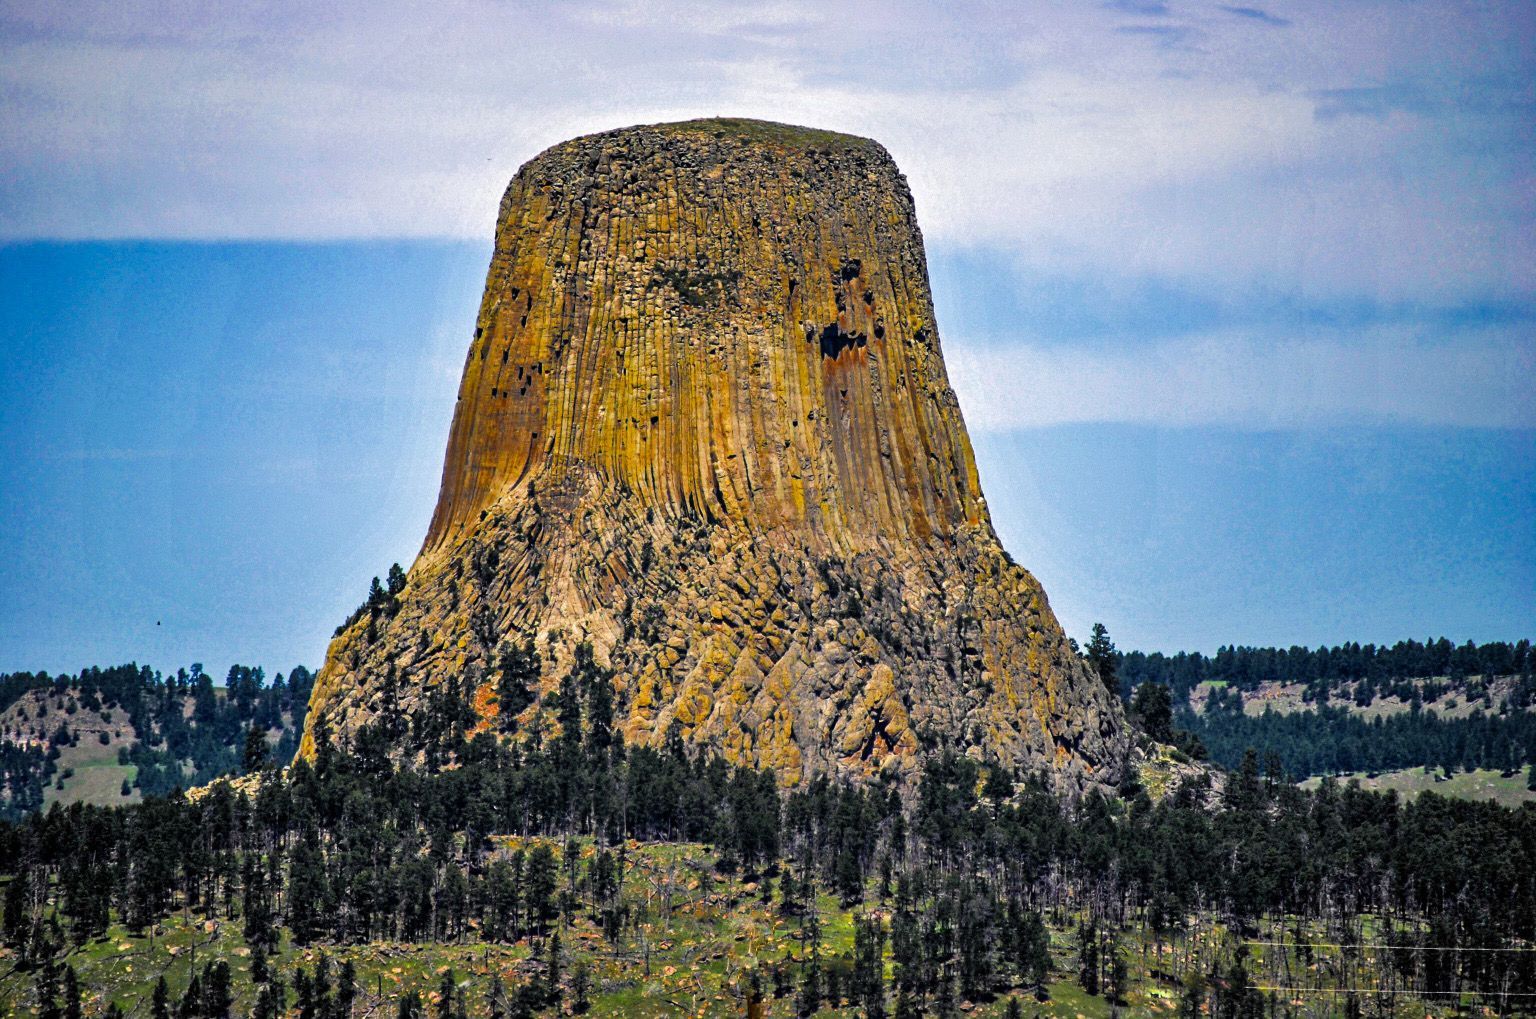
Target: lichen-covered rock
[(705, 425)]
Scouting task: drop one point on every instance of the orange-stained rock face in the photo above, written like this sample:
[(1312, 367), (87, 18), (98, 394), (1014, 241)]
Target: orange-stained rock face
[(736, 328), (704, 424)]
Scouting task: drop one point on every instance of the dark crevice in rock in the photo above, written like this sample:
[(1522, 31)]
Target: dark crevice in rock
[(835, 340)]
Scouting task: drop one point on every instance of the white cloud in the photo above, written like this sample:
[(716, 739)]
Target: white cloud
[(1383, 375), (1079, 137)]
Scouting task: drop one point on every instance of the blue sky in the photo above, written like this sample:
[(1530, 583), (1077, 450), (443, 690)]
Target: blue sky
[(1239, 302)]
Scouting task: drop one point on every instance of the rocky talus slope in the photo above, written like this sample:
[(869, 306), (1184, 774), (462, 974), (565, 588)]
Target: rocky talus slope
[(704, 425)]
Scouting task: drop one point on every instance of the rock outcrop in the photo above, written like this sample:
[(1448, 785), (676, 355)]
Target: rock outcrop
[(704, 425)]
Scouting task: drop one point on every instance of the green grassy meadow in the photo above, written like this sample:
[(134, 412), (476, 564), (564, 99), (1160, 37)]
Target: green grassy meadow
[(1482, 784)]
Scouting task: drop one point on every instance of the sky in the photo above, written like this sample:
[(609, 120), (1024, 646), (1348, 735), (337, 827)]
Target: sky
[(1239, 302)]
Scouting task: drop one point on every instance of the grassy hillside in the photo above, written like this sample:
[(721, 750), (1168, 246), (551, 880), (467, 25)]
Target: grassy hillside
[(110, 736), (1481, 784), (1447, 698), (86, 768)]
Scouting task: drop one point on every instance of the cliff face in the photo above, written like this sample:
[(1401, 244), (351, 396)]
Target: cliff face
[(704, 424)]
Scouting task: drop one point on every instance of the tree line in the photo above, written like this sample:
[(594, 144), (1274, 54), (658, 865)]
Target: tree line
[(1332, 741), (1247, 667)]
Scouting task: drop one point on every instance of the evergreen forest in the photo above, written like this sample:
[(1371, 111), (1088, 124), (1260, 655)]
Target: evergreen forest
[(564, 872)]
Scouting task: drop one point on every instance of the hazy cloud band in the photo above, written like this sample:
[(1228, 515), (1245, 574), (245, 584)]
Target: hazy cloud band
[(1381, 377)]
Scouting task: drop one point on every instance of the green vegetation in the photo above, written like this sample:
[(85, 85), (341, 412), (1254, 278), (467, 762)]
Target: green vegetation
[(564, 872), (698, 955), (698, 285), (1508, 789), (1103, 658), (1366, 671), (547, 868), (1335, 741), (383, 601), (1343, 710), (85, 738), (95, 776)]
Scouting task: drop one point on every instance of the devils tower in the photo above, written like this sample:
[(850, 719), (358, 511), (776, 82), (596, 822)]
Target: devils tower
[(704, 429)]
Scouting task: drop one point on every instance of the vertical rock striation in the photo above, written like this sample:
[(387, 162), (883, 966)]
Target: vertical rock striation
[(704, 425)]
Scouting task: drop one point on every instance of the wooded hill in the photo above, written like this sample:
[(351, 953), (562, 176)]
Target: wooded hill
[(115, 734), (978, 886)]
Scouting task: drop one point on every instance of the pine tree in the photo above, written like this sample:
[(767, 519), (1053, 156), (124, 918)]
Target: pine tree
[(260, 932), (308, 891), (1102, 657), (1035, 953), (160, 1002), (48, 1004), (518, 671), (1192, 1002), (552, 969), (869, 966), (303, 993), (256, 753), (1153, 708), (783, 982), (218, 995), (17, 913), (539, 886), (808, 1002), (71, 994), (848, 873), (191, 1006), (1088, 958), (788, 904), (320, 990), (377, 599), (581, 982), (396, 581), (832, 980), (346, 990), (945, 1004), (597, 684), (271, 1000), (445, 994), (1118, 974), (496, 999), (568, 715), (410, 1006), (1238, 999)]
